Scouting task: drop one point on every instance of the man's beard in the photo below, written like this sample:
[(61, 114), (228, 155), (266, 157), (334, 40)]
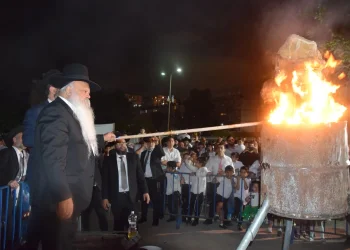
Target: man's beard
[(85, 115)]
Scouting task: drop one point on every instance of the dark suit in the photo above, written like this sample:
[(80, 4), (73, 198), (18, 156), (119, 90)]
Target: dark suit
[(96, 201), (122, 203), (155, 183), (62, 170), (29, 123), (9, 165)]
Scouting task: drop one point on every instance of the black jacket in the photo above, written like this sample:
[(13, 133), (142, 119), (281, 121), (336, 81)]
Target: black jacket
[(61, 167), (110, 178), (156, 165), (9, 165)]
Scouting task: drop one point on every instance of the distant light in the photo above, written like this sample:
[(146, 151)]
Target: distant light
[(163, 73), (179, 70)]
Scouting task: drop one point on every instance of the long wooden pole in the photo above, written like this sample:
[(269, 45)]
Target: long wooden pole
[(193, 130)]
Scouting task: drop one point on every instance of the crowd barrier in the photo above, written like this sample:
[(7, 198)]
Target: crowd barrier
[(15, 209), (210, 192), (204, 212), (14, 214)]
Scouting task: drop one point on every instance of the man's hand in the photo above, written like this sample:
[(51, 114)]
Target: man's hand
[(13, 184), (109, 137), (146, 198), (105, 204), (65, 209)]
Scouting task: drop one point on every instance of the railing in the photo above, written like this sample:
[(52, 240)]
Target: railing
[(14, 212), (211, 189), (206, 202)]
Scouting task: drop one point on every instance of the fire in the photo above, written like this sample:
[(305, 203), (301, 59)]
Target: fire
[(306, 96)]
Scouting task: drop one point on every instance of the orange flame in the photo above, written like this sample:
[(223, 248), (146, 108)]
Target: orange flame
[(308, 97)]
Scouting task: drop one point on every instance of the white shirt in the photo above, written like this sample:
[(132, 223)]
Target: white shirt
[(239, 148), (216, 162), (21, 154), (68, 103), (187, 168), (241, 193), (49, 100), (254, 201), (229, 151), (255, 167), (198, 182), (173, 155), (148, 171), (237, 165), (225, 188), (173, 183), (119, 174)]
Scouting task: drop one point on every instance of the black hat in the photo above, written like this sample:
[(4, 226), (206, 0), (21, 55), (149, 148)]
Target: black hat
[(46, 77), (73, 72), (13, 133)]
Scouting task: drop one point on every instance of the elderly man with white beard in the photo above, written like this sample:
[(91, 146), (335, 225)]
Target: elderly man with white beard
[(64, 161)]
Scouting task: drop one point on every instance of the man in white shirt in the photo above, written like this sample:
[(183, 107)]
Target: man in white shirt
[(171, 153), (216, 165)]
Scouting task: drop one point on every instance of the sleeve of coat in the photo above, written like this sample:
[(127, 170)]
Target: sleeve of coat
[(105, 177), (29, 124), (54, 140), (160, 152), (141, 181), (100, 142)]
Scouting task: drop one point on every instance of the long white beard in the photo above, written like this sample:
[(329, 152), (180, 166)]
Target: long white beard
[(86, 118)]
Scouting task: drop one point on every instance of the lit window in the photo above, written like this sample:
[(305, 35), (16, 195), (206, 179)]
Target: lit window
[(223, 114)]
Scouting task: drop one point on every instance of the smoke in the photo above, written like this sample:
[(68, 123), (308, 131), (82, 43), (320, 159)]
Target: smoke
[(313, 19)]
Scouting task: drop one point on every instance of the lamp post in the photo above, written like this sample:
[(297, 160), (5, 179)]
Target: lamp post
[(178, 70)]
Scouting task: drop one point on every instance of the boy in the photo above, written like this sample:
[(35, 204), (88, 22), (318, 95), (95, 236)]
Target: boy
[(223, 192), (236, 163), (242, 192), (198, 188), (173, 190)]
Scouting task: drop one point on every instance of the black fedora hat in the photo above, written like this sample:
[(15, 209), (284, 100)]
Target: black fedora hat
[(13, 133), (73, 72)]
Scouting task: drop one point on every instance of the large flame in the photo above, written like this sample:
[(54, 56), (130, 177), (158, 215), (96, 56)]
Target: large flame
[(307, 96)]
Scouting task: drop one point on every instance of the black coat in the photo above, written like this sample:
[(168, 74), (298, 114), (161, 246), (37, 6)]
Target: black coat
[(9, 165), (155, 161), (110, 178), (61, 168)]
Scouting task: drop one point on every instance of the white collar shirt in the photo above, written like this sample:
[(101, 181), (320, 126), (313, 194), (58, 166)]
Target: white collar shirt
[(148, 171), (173, 155), (119, 159)]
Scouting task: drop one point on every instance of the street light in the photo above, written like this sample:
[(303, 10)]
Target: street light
[(178, 70)]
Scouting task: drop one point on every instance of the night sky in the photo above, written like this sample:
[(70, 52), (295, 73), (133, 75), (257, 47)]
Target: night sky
[(219, 44)]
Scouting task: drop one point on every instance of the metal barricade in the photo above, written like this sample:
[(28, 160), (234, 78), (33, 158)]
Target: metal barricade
[(14, 211)]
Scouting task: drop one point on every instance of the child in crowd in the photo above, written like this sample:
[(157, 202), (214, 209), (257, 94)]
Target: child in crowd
[(173, 190), (241, 186), (236, 163), (252, 207), (187, 169), (223, 192), (198, 188)]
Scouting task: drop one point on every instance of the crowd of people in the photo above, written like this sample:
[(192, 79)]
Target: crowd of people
[(71, 171)]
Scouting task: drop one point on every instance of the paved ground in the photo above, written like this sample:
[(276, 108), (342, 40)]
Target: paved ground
[(188, 237)]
